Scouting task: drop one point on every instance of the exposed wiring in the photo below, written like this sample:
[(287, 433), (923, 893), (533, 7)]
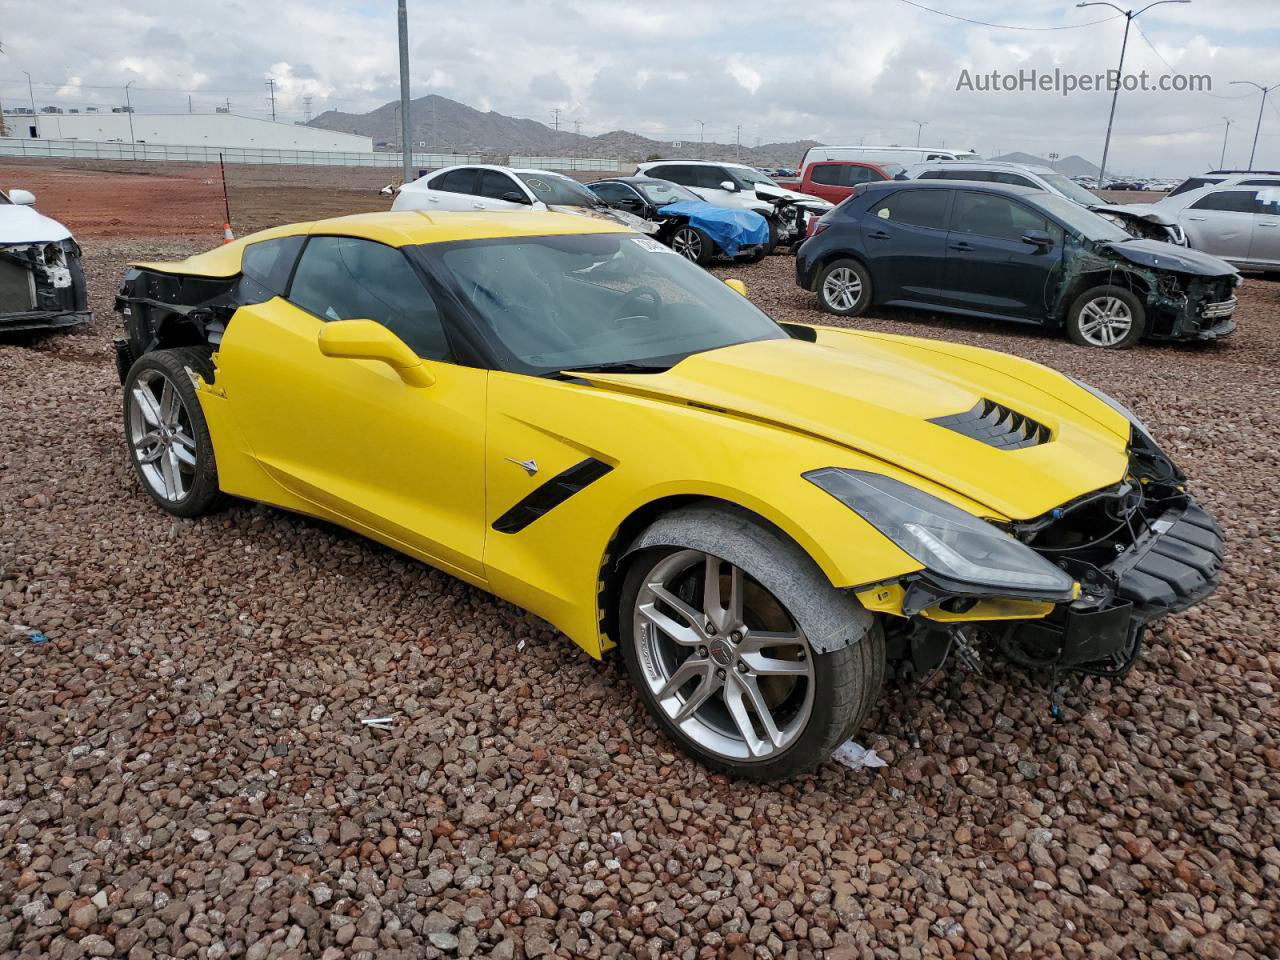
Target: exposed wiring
[(1007, 26)]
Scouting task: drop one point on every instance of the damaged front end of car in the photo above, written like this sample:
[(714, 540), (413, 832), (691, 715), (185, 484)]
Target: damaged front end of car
[(42, 286)]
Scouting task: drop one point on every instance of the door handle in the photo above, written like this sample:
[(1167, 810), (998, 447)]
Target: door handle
[(1272, 224), (960, 246), (479, 206), (1197, 218), (879, 235)]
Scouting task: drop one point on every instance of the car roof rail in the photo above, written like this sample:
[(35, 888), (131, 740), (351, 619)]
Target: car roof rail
[(1232, 173)]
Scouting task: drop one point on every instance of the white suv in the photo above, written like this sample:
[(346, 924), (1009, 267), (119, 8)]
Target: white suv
[(743, 187)]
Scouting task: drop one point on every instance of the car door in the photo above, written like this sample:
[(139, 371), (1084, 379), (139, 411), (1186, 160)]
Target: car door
[(1264, 245), (990, 268), (904, 237), (708, 184), (451, 189), (1221, 223), (349, 437), (495, 190), (830, 181)]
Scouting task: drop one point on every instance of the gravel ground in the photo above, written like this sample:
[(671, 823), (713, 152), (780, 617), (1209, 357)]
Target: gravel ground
[(183, 770)]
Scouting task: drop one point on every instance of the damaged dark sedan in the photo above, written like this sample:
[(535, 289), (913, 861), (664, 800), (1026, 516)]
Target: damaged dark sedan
[(1003, 252), (41, 284)]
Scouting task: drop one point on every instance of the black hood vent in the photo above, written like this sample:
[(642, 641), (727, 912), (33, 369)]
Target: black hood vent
[(996, 426)]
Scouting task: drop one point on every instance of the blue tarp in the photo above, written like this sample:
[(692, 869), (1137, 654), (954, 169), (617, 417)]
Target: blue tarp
[(729, 227)]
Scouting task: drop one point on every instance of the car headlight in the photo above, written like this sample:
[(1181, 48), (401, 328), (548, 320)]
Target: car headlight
[(1114, 404), (943, 538)]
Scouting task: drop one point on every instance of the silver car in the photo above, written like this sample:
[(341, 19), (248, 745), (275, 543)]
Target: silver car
[(1236, 218)]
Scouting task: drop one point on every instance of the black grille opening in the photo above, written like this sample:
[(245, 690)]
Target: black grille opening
[(996, 426)]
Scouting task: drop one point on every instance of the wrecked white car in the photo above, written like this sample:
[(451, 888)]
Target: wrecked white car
[(41, 284)]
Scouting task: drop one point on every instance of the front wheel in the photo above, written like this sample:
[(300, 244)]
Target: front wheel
[(168, 437), (692, 244), (1107, 316), (844, 288), (721, 629)]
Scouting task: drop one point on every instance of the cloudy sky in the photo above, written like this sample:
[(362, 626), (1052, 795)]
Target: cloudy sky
[(840, 71)]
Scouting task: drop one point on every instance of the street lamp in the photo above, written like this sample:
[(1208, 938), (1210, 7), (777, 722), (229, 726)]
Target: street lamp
[(702, 128), (1265, 91), (1129, 17), (129, 108), (1222, 160), (920, 125)]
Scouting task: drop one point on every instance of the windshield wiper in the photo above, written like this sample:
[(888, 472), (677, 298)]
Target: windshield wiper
[(623, 366)]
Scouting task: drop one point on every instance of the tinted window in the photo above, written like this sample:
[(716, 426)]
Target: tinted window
[(461, 180), (980, 176), (674, 173), (496, 185), (831, 174), (1260, 183), (1193, 183), (1012, 179), (710, 177), (1232, 201), (270, 262), (919, 208), (612, 192), (344, 278), (858, 175), (988, 215)]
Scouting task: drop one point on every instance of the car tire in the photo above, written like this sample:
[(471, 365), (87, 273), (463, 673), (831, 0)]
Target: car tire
[(772, 243), (844, 288), (168, 437), (821, 700), (1107, 316), (692, 243)]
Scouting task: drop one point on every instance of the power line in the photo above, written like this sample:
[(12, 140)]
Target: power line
[(1006, 26), (1147, 41)]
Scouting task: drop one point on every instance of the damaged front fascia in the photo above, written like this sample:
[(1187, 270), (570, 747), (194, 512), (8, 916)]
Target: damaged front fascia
[(153, 304), (41, 286), (1173, 298)]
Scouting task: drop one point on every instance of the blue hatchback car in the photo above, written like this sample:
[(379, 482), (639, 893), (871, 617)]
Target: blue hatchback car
[(1004, 252)]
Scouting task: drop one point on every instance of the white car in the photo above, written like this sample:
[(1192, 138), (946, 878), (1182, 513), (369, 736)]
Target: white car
[(41, 284), (495, 188), (737, 185)]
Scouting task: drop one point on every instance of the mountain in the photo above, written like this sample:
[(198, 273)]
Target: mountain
[(450, 126), (1072, 166)]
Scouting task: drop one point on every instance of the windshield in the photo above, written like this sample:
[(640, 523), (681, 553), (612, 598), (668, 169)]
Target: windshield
[(754, 177), (552, 189), (1070, 189), (553, 303), (659, 192), (1079, 219)]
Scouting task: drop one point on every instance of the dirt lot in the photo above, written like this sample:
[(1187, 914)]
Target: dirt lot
[(183, 771)]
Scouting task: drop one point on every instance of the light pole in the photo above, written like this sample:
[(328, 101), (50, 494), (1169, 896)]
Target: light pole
[(1129, 17), (1265, 91), (129, 109), (702, 128), (406, 132), (1222, 160), (35, 122), (920, 125)]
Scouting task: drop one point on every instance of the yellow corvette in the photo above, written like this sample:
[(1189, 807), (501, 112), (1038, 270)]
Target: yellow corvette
[(569, 415)]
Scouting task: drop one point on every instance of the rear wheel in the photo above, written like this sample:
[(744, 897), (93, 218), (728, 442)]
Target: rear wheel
[(692, 243), (167, 434), (844, 288), (1109, 317), (728, 668)]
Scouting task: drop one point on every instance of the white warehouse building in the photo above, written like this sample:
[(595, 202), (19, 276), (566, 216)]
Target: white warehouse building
[(184, 129)]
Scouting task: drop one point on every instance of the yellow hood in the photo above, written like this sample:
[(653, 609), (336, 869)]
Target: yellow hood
[(876, 394)]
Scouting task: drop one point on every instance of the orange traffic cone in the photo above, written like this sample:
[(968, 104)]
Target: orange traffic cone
[(227, 235)]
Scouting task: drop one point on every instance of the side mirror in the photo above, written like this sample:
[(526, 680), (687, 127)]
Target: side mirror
[(737, 286), (728, 185), (1037, 238), (514, 196), (367, 340), (22, 197)]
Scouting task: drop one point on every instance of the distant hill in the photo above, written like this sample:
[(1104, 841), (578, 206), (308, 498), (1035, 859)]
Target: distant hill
[(1072, 166), (450, 126)]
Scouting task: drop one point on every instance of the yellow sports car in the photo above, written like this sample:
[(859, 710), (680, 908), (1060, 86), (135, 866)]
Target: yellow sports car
[(763, 516)]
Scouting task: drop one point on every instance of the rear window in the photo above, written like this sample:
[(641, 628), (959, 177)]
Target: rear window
[(917, 208), (270, 262), (1193, 183), (455, 181)]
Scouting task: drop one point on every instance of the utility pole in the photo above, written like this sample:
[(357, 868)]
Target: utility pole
[(129, 108), (4, 130), (738, 140), (306, 109), (228, 104), (271, 83), (577, 127), (556, 113), (1222, 161), (1265, 91), (920, 125), (702, 129), (1129, 17), (189, 110), (406, 127)]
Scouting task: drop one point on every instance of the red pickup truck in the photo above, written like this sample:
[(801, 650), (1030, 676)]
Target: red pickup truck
[(834, 180)]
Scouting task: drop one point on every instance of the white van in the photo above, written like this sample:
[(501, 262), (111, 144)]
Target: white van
[(903, 155)]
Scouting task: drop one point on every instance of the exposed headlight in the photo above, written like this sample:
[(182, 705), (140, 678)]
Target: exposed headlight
[(943, 538), (1114, 404)]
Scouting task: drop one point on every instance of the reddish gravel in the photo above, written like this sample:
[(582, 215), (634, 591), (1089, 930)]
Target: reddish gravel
[(183, 771)]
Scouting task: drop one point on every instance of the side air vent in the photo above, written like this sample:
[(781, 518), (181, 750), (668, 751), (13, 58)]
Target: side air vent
[(996, 426)]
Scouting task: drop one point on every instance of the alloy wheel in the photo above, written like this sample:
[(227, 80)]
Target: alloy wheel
[(1105, 321), (161, 436), (727, 664), (687, 243), (842, 289)]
